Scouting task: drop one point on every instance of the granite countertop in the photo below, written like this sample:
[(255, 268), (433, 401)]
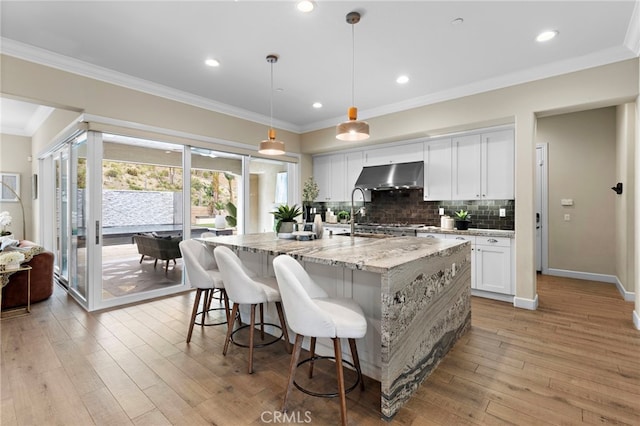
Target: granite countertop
[(369, 254), (470, 231), (438, 230)]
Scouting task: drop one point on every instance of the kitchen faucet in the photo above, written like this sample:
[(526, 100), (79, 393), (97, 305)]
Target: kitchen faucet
[(360, 210)]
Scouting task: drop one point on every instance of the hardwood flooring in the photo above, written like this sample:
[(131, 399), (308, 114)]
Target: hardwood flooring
[(574, 360)]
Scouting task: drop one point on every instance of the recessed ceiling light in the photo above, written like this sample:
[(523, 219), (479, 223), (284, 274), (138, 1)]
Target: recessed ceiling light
[(403, 79), (546, 35), (317, 105), (457, 21), (212, 62), (305, 6)]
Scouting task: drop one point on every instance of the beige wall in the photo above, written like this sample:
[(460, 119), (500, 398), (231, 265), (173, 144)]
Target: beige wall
[(625, 173), (582, 167), (15, 154), (607, 85)]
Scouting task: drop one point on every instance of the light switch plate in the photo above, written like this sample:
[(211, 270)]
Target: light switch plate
[(567, 217), (566, 202), (503, 212), (441, 211)]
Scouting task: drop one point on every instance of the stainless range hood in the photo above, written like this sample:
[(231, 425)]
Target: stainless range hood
[(392, 176)]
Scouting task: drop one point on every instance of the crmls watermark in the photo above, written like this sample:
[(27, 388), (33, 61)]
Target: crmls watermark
[(280, 417)]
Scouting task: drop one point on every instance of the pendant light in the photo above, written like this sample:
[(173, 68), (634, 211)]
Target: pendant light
[(353, 129), (271, 146)]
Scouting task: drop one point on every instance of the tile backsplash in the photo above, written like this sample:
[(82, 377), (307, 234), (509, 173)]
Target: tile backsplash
[(408, 206)]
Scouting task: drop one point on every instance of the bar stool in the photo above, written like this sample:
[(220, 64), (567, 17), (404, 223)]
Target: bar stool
[(310, 312), (245, 288), (203, 274)]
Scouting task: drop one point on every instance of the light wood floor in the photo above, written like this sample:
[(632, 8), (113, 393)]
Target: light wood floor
[(574, 360)]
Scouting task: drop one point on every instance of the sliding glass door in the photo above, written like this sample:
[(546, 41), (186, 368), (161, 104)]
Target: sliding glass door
[(123, 204)]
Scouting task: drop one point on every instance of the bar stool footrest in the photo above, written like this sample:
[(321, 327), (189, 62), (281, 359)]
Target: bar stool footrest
[(262, 345), (208, 324), (328, 394)]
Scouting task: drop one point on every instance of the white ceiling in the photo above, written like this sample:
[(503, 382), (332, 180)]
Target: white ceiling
[(160, 48)]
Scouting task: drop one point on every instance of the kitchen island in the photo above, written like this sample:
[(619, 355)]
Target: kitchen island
[(415, 293)]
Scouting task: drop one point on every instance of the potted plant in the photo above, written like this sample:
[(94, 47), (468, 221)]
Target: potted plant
[(11, 259), (220, 220), (462, 219), (285, 217), (309, 194), (343, 216)]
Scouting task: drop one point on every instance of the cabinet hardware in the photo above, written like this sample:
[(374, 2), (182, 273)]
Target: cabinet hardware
[(492, 240)]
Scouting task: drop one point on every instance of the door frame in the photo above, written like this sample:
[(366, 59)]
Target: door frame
[(542, 190)]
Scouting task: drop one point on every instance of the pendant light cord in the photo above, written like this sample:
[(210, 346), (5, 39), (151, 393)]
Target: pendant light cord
[(353, 65), (271, 100)]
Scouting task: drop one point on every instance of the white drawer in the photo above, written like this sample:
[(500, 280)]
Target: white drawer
[(471, 238), (431, 235), (493, 241)]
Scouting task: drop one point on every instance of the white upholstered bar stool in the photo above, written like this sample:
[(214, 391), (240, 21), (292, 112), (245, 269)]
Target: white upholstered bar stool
[(209, 234), (203, 274), (310, 312), (245, 288)]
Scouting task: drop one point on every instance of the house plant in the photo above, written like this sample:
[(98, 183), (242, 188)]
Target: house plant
[(285, 217), (343, 216), (462, 220), (11, 259), (220, 220), (310, 192)]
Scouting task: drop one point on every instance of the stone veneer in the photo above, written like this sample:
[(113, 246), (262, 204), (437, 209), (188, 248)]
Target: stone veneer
[(408, 206)]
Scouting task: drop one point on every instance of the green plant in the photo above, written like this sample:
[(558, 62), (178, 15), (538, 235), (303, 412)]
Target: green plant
[(219, 206), (463, 215), (233, 214), (286, 213), (310, 190), (343, 215)]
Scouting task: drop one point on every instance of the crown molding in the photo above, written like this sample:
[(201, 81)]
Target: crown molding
[(64, 63), (603, 57), (632, 38)]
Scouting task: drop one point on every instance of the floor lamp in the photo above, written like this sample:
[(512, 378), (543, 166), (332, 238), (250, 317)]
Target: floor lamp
[(24, 223)]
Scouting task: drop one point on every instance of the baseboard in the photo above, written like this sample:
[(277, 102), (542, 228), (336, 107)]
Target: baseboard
[(583, 275), (636, 320), (628, 296), (530, 304)]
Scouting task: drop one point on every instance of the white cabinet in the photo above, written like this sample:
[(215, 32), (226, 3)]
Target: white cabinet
[(483, 166), (353, 162), (498, 165), (493, 264), (402, 153), (437, 170), (329, 173), (466, 169), (491, 269)]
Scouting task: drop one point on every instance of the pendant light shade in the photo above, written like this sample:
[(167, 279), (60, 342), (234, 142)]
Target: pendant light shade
[(271, 146), (353, 129)]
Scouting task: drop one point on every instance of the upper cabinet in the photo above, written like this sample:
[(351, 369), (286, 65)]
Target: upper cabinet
[(329, 173), (472, 166), (437, 170), (353, 162), (483, 166), (404, 153), (498, 165), (336, 176)]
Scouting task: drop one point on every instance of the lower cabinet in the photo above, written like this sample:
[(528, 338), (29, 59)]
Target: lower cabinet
[(493, 264), (491, 268)]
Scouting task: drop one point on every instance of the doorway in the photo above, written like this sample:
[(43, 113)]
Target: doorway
[(541, 208)]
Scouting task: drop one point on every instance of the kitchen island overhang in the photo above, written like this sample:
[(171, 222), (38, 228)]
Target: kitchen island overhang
[(415, 293)]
